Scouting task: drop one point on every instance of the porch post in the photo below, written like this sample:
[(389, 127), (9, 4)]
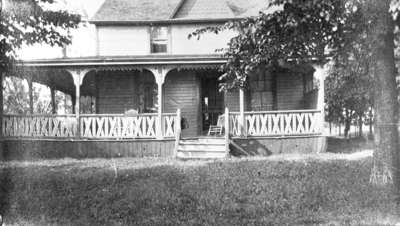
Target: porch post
[(159, 73), (321, 71), (53, 101), (242, 122), (30, 90), (77, 76)]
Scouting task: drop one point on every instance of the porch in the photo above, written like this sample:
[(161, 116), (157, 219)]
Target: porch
[(176, 89), (91, 135)]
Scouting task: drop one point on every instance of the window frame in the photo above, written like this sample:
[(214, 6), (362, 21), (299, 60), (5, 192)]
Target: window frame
[(167, 39)]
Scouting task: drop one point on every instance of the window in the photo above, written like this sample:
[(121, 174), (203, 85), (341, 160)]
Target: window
[(262, 91), (159, 39)]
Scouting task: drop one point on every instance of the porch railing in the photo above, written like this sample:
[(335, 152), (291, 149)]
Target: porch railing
[(115, 126), (93, 126), (44, 126), (276, 123)]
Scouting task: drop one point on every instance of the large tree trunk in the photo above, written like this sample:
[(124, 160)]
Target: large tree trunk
[(385, 158), (347, 124), (370, 123), (360, 124)]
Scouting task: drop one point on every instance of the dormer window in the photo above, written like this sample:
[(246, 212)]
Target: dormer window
[(159, 39)]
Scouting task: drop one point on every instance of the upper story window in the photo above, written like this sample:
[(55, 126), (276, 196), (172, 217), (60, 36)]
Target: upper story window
[(159, 39)]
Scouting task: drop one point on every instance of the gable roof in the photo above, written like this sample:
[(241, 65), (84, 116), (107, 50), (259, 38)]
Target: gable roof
[(123, 11), (135, 10)]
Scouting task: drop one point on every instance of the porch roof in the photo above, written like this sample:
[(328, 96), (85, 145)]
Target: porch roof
[(95, 62), (54, 72)]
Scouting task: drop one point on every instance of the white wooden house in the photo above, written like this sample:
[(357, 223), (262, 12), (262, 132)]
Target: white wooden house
[(145, 61)]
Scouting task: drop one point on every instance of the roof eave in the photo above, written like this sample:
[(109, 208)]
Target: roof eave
[(128, 60), (167, 21)]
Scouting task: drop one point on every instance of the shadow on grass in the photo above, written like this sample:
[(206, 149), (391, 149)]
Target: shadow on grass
[(343, 145), (213, 193)]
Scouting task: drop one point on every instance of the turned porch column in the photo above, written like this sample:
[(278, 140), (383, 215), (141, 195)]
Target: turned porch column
[(159, 73), (321, 71), (78, 76)]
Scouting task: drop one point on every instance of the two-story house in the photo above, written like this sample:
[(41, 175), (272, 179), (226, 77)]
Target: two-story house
[(147, 75)]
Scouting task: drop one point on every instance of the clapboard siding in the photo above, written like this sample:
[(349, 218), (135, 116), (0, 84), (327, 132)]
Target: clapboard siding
[(119, 41), (182, 90), (54, 149), (135, 40), (283, 145), (119, 91), (232, 100), (115, 92), (290, 94), (207, 44), (311, 99)]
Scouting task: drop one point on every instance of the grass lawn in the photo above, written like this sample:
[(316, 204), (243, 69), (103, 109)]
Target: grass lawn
[(306, 190)]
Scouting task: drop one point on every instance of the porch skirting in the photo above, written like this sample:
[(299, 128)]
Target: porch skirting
[(265, 146), (29, 149)]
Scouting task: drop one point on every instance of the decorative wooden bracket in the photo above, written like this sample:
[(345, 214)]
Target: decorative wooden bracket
[(160, 72)]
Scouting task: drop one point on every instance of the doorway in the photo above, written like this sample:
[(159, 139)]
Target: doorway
[(212, 101)]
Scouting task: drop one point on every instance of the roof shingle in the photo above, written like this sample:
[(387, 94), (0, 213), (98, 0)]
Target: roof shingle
[(158, 10), (136, 10)]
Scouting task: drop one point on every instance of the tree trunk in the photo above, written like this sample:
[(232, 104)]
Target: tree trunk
[(360, 124), (347, 124), (370, 123), (385, 158)]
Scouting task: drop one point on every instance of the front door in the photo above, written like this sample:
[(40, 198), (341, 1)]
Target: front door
[(212, 101)]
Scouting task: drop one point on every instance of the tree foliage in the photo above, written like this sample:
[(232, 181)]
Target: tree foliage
[(299, 31), (349, 87), (29, 22), (316, 31)]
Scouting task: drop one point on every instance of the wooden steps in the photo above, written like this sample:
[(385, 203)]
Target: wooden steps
[(202, 148)]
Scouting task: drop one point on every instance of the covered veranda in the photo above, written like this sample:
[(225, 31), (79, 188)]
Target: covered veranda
[(75, 77)]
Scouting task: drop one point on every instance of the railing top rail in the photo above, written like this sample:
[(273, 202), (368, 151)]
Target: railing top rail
[(38, 115), (85, 115), (278, 112), (169, 114), (117, 115)]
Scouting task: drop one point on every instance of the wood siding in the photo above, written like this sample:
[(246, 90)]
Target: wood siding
[(123, 40), (182, 90), (290, 92), (119, 91), (232, 100), (288, 145), (135, 40), (50, 149)]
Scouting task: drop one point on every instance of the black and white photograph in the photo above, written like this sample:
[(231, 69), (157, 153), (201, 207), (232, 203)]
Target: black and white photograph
[(200, 112)]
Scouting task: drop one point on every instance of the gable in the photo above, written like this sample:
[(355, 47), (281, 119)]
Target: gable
[(204, 9), (170, 10), (136, 10)]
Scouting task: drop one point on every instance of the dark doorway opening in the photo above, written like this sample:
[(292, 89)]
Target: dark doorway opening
[(212, 101)]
